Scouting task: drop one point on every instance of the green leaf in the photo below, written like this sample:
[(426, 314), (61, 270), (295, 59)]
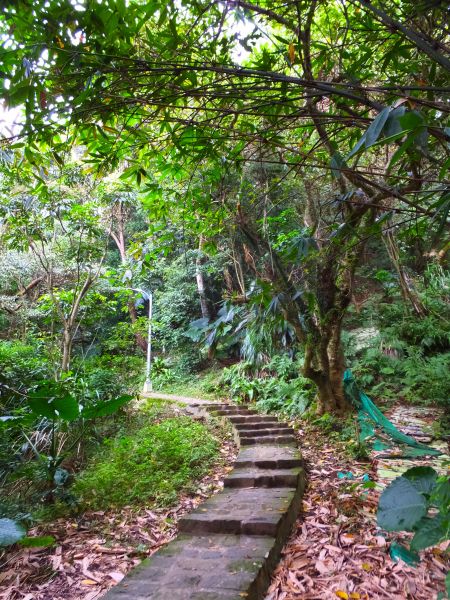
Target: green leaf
[(447, 584), (393, 125), (360, 144), (412, 119), (402, 150), (10, 532), (401, 506), (18, 94), (422, 478), (373, 132), (387, 371), (431, 531), (53, 402), (440, 496), (103, 409), (58, 159), (444, 169), (43, 541), (337, 163), (384, 141), (376, 127)]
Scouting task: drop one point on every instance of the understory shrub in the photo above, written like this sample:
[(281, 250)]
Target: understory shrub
[(275, 387), (21, 365), (40, 449), (104, 377), (405, 373), (155, 463), (404, 356)]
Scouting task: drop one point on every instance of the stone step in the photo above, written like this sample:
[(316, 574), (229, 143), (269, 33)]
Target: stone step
[(224, 406), (263, 478), (233, 412), (267, 431), (269, 439), (252, 419), (269, 457), (202, 567), (247, 511), (259, 425)]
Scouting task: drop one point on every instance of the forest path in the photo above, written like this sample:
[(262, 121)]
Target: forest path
[(229, 545), (184, 399)]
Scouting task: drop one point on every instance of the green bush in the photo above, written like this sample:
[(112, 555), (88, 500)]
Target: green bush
[(276, 389), (103, 377), (402, 355), (21, 365), (154, 464), (426, 379), (417, 378), (290, 397)]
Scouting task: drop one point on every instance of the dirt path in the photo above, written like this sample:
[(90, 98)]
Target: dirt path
[(183, 399)]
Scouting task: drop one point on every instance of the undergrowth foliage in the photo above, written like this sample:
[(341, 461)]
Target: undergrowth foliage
[(401, 356), (274, 387), (155, 464)]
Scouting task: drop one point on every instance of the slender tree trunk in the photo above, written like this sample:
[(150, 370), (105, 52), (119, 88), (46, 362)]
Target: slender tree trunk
[(336, 360), (67, 342), (141, 342), (310, 216), (70, 324), (120, 241), (407, 287), (201, 282)]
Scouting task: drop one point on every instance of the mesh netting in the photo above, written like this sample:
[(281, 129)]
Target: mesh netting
[(374, 427)]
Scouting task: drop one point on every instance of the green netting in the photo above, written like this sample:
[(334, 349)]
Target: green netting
[(373, 425)]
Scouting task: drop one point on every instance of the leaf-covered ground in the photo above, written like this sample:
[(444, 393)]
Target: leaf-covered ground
[(94, 552), (336, 550)]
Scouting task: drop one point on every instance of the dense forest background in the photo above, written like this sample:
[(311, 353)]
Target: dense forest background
[(275, 175)]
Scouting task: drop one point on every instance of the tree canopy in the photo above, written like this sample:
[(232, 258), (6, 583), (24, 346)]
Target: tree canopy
[(239, 200), (186, 95)]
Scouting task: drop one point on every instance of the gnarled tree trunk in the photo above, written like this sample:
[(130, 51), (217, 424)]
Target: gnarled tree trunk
[(324, 365)]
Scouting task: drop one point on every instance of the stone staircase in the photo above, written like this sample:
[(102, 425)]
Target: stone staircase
[(229, 545)]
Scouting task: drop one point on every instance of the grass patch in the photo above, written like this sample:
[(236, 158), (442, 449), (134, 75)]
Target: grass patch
[(154, 463), (205, 384)]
